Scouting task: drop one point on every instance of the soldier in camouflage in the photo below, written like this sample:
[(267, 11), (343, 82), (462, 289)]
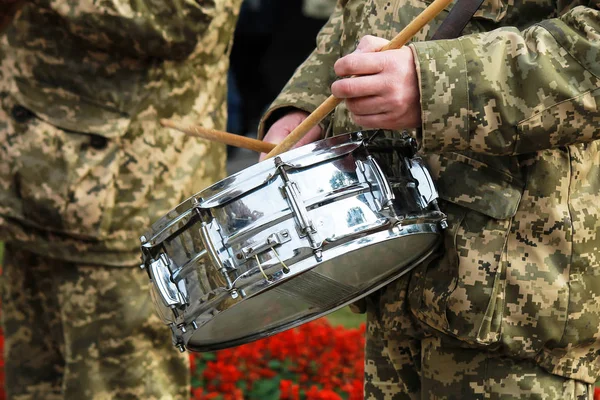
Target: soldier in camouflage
[(507, 119), (84, 167)]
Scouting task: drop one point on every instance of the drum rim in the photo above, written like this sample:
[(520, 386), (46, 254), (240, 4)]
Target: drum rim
[(430, 228), (311, 153)]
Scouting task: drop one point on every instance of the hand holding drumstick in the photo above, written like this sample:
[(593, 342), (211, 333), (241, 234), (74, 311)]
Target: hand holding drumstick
[(382, 90), (372, 100), (397, 65)]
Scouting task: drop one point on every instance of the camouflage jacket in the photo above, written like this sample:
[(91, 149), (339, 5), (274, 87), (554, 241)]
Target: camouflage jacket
[(84, 165), (511, 133)]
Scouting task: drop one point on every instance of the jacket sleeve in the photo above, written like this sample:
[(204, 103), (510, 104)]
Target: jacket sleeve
[(140, 28), (507, 92), (311, 83)]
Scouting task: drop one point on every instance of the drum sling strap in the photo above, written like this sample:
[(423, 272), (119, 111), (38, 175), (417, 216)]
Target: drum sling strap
[(457, 19)]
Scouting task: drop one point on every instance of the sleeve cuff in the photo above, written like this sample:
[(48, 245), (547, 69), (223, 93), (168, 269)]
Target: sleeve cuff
[(442, 73)]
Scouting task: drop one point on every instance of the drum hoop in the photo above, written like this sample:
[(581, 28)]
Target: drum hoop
[(264, 286), (284, 327)]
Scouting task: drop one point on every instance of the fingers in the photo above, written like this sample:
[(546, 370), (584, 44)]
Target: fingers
[(286, 124), (380, 121), (368, 105), (361, 67), (360, 64), (358, 86), (370, 43), (390, 119), (311, 136), (382, 88)]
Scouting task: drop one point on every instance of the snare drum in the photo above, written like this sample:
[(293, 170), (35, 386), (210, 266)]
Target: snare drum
[(291, 239)]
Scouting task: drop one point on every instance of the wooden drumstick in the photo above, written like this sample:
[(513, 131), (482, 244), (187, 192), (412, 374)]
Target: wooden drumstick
[(219, 136), (328, 105)]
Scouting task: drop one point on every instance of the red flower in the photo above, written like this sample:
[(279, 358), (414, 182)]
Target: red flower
[(197, 393), (288, 390), (312, 362), (192, 363)]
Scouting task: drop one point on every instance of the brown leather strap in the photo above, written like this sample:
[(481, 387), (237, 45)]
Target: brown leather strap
[(458, 18)]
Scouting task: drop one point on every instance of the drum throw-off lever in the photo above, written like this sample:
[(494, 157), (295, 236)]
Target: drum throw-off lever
[(273, 240), (267, 246)]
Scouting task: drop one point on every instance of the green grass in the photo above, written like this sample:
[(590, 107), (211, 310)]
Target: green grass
[(346, 318)]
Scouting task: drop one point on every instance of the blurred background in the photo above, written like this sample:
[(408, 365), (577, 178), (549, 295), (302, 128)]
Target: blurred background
[(272, 38)]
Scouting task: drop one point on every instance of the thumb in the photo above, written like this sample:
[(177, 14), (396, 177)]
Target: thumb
[(369, 44)]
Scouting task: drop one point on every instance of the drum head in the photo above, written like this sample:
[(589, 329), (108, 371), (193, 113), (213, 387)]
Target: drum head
[(343, 277)]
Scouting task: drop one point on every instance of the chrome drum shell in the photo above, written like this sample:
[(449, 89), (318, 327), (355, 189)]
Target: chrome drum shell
[(291, 239)]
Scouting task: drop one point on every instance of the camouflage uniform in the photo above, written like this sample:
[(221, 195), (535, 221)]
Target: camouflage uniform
[(511, 308), (85, 167), (319, 9)]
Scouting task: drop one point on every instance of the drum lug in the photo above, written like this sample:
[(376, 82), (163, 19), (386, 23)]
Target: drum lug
[(177, 338), (207, 240), (230, 287), (145, 252), (179, 330), (161, 275), (424, 184), (377, 174), (234, 294), (292, 194), (444, 221)]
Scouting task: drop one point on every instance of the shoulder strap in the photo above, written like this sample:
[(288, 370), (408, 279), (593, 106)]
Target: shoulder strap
[(458, 18)]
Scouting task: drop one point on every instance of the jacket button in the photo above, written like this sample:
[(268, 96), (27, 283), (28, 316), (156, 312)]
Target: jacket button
[(21, 114), (98, 142)]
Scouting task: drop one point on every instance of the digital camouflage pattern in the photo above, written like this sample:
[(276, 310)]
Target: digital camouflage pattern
[(404, 361), (511, 134), (85, 164), (319, 9), (50, 311), (85, 168)]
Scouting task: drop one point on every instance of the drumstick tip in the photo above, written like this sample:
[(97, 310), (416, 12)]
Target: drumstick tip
[(166, 122)]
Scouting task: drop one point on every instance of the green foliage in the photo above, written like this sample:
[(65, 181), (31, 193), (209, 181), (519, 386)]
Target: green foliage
[(346, 318), (265, 389)]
